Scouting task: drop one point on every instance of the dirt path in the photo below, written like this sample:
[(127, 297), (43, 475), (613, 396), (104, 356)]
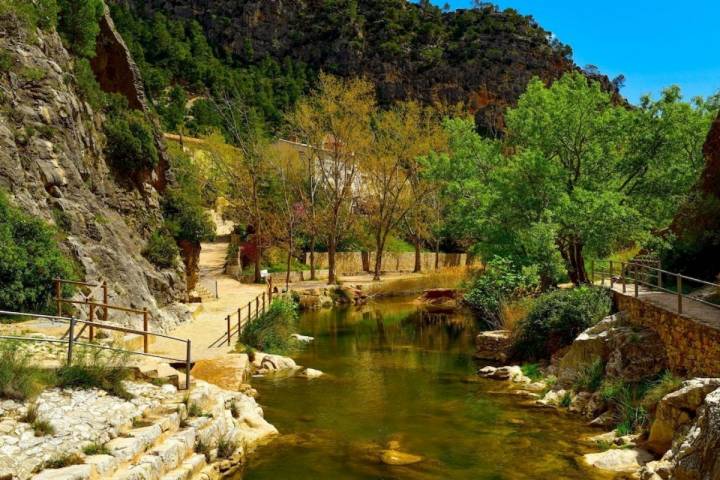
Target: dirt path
[(209, 319)]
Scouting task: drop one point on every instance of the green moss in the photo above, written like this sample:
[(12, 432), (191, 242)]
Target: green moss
[(161, 250)]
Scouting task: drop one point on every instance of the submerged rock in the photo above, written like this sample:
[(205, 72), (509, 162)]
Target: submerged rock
[(302, 338), (311, 373), (397, 458)]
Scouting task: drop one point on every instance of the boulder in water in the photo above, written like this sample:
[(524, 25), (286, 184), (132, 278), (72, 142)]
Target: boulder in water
[(397, 458)]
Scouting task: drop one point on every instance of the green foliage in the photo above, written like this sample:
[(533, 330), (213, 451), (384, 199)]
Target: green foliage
[(566, 400), (36, 14), (6, 62), (161, 250), (500, 282), (667, 383), (29, 261), (87, 84), (96, 368), (95, 449), (78, 23), (271, 331), (627, 401), (130, 142), (19, 378), (590, 377), (532, 371), (556, 318)]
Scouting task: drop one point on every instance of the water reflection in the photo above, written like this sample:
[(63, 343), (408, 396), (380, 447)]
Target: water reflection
[(399, 375)]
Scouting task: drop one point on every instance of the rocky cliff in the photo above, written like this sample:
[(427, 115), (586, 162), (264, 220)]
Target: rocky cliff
[(52, 164)]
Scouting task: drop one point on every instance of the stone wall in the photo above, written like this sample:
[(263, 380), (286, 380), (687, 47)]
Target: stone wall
[(348, 263), (693, 348)]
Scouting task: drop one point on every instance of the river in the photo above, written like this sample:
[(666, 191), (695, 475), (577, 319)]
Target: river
[(396, 375)]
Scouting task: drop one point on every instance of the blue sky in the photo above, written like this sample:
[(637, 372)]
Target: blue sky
[(653, 43)]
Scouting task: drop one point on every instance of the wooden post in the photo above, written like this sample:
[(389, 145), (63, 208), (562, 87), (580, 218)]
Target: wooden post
[(249, 312), (637, 287), (680, 294), (622, 274), (105, 300), (92, 320), (257, 307), (145, 329), (217, 294), (187, 365), (239, 322), (71, 340), (228, 328), (612, 281), (270, 292), (58, 297), (263, 302), (592, 272)]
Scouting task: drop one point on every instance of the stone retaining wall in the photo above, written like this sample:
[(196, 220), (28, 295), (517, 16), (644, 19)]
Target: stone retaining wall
[(349, 263), (693, 348)]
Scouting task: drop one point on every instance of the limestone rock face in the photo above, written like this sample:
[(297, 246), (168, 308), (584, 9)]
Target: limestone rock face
[(676, 410), (52, 165), (493, 345), (697, 457), (630, 353)]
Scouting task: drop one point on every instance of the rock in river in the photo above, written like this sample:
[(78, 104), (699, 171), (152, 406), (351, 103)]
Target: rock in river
[(394, 457)]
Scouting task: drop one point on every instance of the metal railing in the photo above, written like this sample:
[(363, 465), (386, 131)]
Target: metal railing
[(651, 277), (235, 328), (72, 341)]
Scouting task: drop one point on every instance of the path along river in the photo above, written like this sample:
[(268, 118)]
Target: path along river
[(396, 375)]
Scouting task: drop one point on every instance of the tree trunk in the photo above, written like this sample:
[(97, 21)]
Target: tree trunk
[(418, 263), (379, 247), (331, 261), (289, 261), (573, 256), (312, 258)]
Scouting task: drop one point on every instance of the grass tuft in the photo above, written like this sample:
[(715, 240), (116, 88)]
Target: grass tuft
[(94, 368), (590, 377), (95, 449), (532, 371), (226, 448)]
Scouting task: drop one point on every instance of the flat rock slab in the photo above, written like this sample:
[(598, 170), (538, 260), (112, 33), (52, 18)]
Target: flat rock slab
[(619, 460)]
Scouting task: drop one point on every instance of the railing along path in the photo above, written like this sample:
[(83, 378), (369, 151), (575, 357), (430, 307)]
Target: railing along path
[(650, 276)]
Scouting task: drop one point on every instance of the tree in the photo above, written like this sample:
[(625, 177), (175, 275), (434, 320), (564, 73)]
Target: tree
[(247, 166), (78, 24), (392, 172), (334, 121)]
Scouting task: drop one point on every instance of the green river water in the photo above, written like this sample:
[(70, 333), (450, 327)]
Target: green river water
[(396, 375)]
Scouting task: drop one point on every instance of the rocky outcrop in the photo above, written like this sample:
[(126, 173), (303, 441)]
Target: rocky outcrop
[(493, 345), (677, 410), (628, 352), (52, 164)]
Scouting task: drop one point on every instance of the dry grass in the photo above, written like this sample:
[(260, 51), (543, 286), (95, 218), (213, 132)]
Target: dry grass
[(451, 277), (513, 312)]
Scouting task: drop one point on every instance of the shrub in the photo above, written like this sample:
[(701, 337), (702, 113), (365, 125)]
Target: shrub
[(29, 260), (590, 377), (36, 14), (626, 399), (185, 217), (95, 449), (667, 383), (271, 331), (95, 368), (130, 142), (500, 282), (556, 318), (161, 250), (42, 428), (87, 84), (78, 24), (18, 378)]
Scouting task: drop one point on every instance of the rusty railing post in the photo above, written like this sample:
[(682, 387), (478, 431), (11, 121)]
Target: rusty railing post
[(145, 329), (71, 340), (91, 335), (187, 365), (680, 294), (58, 297), (105, 301), (228, 328)]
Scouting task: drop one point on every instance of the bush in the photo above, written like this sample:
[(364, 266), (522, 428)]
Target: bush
[(88, 86), (96, 368), (78, 23), (161, 250), (37, 14), (556, 318), (626, 399), (18, 378), (185, 217), (29, 261), (501, 282), (271, 331), (130, 142)]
